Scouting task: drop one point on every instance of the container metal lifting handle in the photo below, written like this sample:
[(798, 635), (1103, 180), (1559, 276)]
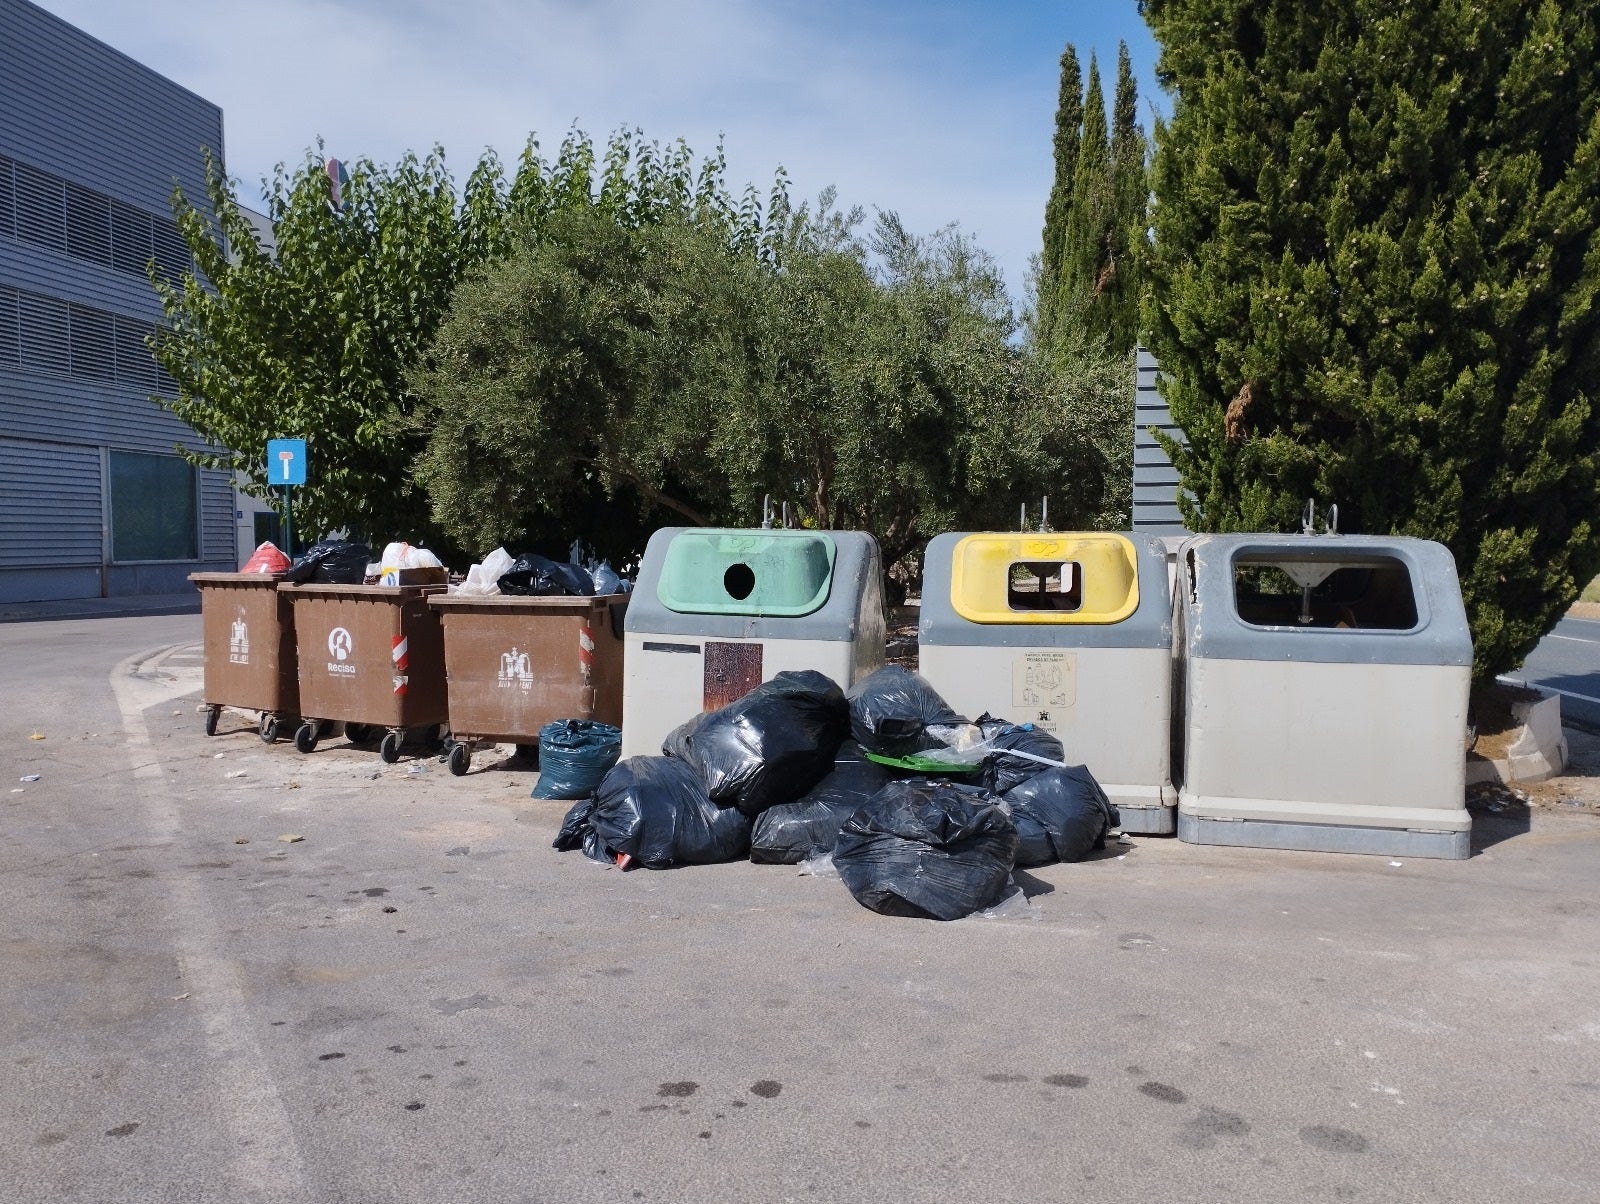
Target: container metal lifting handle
[(1308, 519)]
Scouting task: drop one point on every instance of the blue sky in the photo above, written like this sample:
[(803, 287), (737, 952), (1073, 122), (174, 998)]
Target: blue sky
[(941, 110)]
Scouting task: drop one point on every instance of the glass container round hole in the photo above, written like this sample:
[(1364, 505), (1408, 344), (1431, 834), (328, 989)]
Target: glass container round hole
[(739, 581)]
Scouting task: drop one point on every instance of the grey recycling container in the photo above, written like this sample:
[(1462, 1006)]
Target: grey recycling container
[(1069, 631), (1323, 703), (716, 611)]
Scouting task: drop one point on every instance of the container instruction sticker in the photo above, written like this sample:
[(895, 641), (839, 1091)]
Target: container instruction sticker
[(239, 641), (1044, 685)]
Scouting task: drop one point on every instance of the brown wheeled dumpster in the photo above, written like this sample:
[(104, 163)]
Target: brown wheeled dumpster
[(248, 628), (516, 663), (371, 656)]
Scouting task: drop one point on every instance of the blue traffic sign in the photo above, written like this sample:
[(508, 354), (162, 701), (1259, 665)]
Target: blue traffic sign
[(286, 461)]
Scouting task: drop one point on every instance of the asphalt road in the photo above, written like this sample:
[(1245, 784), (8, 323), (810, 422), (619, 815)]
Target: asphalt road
[(421, 1002), (1568, 661)]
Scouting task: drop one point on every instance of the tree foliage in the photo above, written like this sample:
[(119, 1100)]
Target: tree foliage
[(1090, 270), (870, 382), (1057, 211), (316, 337), (1375, 273)]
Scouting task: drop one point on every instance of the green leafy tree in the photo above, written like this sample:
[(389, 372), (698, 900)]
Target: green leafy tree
[(686, 372), (894, 400), (588, 363), (317, 337), (1374, 281), (311, 339)]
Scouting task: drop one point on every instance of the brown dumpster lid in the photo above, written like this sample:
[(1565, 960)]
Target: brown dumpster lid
[(229, 578), (518, 601), (362, 591)]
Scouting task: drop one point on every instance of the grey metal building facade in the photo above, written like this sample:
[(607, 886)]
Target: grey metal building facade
[(1155, 480), (93, 499)]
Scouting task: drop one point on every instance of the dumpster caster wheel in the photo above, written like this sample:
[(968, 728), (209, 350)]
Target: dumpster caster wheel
[(212, 715), (460, 759), (529, 754), (305, 739), (269, 727), (357, 733), (389, 749)]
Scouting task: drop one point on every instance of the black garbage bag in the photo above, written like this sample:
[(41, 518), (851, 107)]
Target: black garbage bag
[(654, 812), (578, 833), (538, 576), (891, 709), (574, 755), (788, 833), (1000, 772), (676, 742), (1060, 815), (331, 562), (927, 849), (769, 747)]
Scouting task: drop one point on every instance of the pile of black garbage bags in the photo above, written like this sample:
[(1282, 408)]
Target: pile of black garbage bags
[(781, 776)]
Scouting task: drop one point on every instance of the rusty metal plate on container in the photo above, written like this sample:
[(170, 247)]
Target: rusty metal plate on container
[(731, 672)]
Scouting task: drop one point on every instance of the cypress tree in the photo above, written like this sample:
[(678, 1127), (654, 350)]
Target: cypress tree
[(1084, 253), (1376, 281), (1069, 117), (1130, 191)]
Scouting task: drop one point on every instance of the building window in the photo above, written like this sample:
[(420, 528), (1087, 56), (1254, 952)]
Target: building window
[(154, 511)]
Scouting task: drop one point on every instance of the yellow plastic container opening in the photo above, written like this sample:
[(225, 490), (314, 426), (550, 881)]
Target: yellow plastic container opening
[(1011, 578)]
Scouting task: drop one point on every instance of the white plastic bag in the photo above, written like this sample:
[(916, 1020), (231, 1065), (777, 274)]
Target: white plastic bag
[(397, 556), (484, 579)]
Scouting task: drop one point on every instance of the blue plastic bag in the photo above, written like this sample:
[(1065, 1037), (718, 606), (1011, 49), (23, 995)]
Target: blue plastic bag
[(574, 755)]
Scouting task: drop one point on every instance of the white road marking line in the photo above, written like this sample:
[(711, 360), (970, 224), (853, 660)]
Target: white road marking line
[(267, 1165)]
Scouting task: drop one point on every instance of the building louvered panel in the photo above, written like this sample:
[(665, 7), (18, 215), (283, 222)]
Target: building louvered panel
[(136, 366), (1155, 480), (132, 247), (219, 537), (41, 201), (173, 260), (10, 340), (88, 224), (8, 205), (94, 355), (42, 327), (57, 482)]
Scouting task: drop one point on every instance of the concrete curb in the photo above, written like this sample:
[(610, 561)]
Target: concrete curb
[(1539, 751)]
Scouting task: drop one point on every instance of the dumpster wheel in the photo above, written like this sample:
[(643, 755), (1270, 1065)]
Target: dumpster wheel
[(270, 727), (389, 747), (460, 756), (305, 739), (213, 713), (357, 733), (529, 753)]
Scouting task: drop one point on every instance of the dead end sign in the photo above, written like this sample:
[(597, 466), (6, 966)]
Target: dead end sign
[(286, 461)]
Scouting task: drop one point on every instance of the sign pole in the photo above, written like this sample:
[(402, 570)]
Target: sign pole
[(286, 466)]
